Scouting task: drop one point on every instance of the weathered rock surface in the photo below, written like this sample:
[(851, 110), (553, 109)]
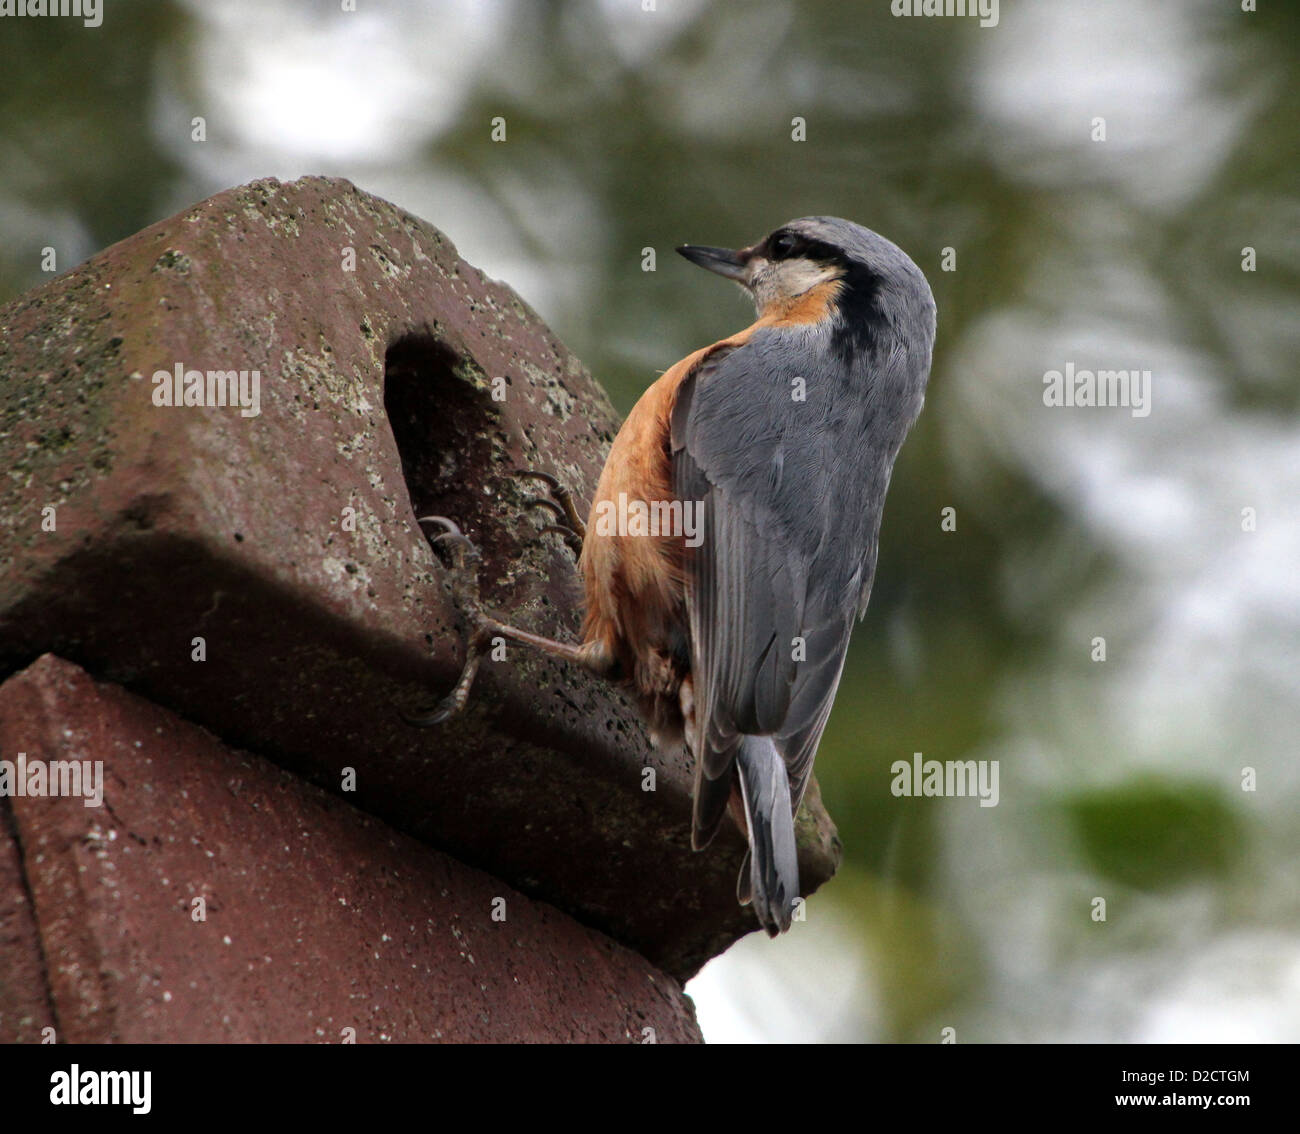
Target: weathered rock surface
[(316, 917)]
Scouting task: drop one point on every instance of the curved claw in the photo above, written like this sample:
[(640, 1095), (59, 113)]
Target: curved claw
[(569, 536), (454, 537), (453, 534), (434, 715), (550, 505), (545, 477), (561, 505), (452, 527)]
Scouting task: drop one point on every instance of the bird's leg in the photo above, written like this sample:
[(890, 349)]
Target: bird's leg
[(559, 502), (486, 630)]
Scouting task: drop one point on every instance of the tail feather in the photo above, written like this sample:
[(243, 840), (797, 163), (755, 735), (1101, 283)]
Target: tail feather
[(710, 807), (771, 864)]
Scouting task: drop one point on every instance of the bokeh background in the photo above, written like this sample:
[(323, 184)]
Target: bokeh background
[(629, 129)]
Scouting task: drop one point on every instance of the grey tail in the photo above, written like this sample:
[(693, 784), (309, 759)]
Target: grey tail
[(770, 874)]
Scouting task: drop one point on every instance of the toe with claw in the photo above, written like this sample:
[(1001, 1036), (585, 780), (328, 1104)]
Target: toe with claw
[(487, 629), (559, 502), (465, 588)]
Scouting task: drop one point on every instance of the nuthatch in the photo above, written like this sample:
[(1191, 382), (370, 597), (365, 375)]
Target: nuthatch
[(785, 434)]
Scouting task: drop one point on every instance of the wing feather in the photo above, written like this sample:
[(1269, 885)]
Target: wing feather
[(764, 471)]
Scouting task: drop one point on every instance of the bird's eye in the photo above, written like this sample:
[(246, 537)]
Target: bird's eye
[(785, 245)]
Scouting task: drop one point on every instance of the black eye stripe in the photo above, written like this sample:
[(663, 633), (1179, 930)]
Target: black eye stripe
[(784, 245), (790, 246)]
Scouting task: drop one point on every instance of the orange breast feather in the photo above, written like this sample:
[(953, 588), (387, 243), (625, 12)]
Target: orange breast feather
[(633, 583)]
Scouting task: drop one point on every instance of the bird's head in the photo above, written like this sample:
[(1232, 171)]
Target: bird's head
[(825, 267)]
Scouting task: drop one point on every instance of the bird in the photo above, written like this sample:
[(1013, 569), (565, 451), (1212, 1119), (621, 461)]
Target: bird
[(780, 440)]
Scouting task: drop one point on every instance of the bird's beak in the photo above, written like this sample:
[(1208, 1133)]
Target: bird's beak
[(725, 262)]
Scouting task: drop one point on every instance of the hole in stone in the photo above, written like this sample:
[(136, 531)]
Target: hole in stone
[(442, 426)]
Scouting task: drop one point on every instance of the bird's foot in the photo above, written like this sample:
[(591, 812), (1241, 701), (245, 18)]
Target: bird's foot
[(487, 630), (465, 592), (559, 502), (465, 560)]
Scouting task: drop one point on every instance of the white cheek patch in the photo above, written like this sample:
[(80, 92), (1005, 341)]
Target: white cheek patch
[(797, 276), (785, 279)]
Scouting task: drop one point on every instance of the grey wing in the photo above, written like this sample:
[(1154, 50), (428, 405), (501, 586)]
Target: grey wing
[(770, 589)]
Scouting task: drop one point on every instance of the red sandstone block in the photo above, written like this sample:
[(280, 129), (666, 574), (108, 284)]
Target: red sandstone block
[(283, 545), (24, 997), (319, 918)]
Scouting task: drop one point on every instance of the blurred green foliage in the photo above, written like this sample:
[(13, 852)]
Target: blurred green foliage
[(1154, 834)]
